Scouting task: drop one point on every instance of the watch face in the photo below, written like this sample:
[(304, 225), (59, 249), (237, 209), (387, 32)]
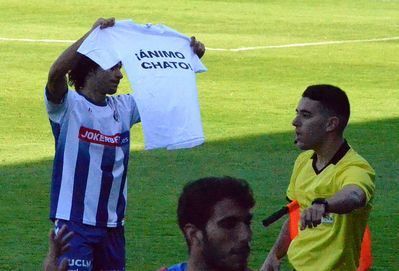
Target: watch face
[(327, 219)]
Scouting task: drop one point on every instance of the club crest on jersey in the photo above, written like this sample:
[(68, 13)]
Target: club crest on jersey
[(95, 136)]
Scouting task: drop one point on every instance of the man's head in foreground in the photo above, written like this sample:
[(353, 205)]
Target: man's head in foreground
[(214, 215)]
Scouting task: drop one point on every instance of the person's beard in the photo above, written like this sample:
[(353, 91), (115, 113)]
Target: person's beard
[(219, 260)]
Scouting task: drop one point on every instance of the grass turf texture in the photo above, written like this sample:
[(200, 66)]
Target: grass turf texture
[(247, 103)]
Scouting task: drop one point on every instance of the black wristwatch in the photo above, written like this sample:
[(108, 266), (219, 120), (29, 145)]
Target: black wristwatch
[(321, 201)]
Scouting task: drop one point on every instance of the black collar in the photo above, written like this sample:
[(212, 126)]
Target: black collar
[(336, 158)]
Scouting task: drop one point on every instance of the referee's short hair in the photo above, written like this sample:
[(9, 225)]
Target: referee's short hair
[(334, 100), (199, 197)]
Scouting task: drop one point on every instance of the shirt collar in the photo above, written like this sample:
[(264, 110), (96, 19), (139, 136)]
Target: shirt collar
[(335, 159), (91, 101)]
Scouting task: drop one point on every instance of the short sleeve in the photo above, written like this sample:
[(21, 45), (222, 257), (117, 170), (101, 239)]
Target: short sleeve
[(198, 66), (359, 176), (56, 112), (129, 104), (291, 186), (135, 112)]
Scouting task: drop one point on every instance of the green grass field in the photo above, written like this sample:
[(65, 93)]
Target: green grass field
[(247, 103)]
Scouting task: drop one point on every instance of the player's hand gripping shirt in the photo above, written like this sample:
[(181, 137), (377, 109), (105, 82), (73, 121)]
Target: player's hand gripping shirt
[(161, 68), (91, 157)]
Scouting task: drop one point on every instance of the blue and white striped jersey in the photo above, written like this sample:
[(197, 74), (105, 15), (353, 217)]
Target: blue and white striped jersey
[(92, 145)]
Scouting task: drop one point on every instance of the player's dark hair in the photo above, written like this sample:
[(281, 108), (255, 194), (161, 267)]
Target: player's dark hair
[(199, 197), (333, 100), (77, 76)]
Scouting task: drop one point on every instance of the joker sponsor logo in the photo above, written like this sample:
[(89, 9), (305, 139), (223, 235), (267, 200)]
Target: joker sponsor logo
[(95, 136)]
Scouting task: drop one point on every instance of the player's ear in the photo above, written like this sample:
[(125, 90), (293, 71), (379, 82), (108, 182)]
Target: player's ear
[(332, 124), (193, 235)]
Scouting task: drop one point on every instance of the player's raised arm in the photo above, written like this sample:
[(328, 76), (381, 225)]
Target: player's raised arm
[(57, 81)]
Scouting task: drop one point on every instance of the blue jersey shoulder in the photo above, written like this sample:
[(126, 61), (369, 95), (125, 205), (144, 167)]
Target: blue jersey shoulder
[(178, 267)]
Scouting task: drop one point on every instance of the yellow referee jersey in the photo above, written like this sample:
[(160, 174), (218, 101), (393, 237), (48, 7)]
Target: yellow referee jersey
[(335, 243)]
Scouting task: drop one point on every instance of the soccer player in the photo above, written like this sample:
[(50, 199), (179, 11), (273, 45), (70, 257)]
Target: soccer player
[(215, 216), (333, 185), (92, 139)]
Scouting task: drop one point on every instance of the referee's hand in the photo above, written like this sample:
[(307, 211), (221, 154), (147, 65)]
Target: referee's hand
[(311, 217)]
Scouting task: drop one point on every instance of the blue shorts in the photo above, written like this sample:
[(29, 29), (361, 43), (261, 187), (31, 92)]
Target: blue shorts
[(94, 248)]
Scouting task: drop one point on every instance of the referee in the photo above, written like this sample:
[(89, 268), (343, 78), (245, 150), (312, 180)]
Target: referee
[(333, 184)]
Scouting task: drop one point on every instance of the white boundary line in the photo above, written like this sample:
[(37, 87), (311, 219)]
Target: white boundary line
[(37, 40), (303, 44), (321, 43)]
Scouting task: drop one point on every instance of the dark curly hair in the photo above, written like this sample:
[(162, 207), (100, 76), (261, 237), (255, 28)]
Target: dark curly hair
[(77, 76)]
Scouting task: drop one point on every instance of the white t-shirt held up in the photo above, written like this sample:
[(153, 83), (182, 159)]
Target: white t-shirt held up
[(161, 68)]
